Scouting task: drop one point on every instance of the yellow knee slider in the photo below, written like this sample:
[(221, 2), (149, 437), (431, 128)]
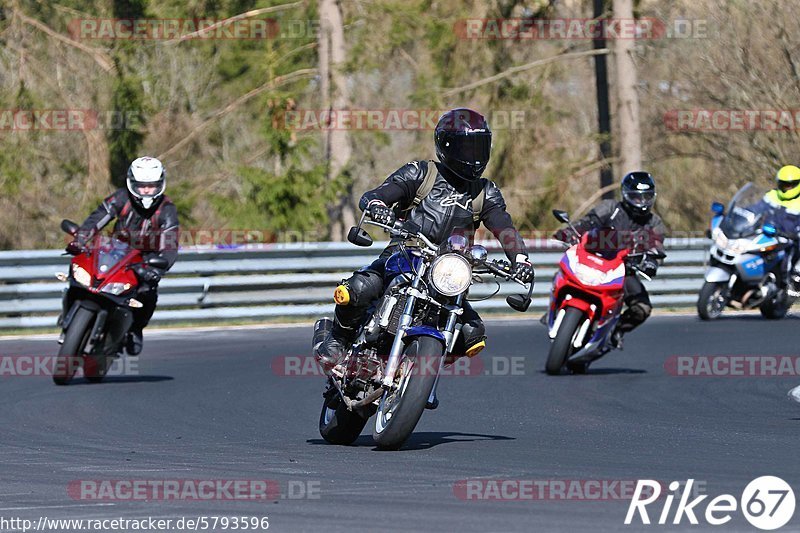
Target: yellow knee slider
[(476, 348), (341, 295)]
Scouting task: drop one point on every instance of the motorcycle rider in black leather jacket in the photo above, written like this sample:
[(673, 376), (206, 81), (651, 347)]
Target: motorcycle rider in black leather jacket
[(463, 143)]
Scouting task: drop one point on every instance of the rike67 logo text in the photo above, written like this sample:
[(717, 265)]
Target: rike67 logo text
[(767, 502)]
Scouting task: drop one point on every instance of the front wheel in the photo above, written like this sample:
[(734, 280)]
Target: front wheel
[(95, 367), (712, 300), (562, 345), (71, 351), (337, 424), (400, 409)]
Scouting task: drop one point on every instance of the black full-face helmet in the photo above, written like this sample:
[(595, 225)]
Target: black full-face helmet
[(463, 142), (638, 192)]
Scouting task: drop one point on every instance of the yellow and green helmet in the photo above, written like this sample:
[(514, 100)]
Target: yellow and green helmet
[(788, 182)]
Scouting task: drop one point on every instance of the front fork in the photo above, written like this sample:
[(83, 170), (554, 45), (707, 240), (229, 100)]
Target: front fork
[(405, 322), (450, 333), (451, 330)]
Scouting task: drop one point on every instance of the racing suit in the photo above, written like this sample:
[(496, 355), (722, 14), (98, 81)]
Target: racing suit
[(445, 210), (154, 232)]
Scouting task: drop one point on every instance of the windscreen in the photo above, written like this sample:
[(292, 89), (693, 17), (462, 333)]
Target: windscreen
[(745, 213)]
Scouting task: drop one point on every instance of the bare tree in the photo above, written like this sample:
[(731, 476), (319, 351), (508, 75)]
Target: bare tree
[(332, 56), (630, 136)]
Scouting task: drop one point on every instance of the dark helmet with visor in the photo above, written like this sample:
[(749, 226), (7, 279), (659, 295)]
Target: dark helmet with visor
[(463, 142), (638, 192)]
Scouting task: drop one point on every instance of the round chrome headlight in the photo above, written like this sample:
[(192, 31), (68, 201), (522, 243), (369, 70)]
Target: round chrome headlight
[(450, 274)]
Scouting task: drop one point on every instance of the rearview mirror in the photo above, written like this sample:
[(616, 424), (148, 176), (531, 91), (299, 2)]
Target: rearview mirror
[(158, 262), (717, 208), (359, 236), (561, 216), (68, 226), (518, 302)]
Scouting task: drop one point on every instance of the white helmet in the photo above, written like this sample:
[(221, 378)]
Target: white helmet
[(146, 172)]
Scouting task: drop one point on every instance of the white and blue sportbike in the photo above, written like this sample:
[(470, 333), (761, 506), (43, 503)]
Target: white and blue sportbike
[(748, 259)]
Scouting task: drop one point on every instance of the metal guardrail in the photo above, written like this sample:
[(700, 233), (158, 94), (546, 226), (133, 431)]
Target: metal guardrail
[(290, 280)]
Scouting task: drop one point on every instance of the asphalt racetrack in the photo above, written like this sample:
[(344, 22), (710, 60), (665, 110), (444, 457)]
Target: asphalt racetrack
[(228, 405)]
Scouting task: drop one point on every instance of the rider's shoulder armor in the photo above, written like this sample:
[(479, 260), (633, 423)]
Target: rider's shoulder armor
[(792, 207)]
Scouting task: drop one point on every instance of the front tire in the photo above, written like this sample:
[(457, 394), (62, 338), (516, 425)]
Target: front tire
[(711, 302), (71, 351), (561, 347), (95, 367), (337, 424), (400, 410)]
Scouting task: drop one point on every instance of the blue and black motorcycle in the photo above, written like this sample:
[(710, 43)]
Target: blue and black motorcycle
[(392, 368), (748, 259)]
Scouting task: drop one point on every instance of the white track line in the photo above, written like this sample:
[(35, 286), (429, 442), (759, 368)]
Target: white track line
[(56, 506)]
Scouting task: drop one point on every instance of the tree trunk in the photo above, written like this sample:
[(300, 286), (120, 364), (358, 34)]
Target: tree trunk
[(603, 107), (630, 137), (335, 94)]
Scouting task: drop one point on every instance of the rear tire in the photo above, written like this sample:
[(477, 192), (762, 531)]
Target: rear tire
[(337, 424), (710, 302), (71, 351), (396, 421), (561, 346)]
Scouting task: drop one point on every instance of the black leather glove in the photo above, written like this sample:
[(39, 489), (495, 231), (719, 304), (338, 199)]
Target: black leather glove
[(380, 213), (75, 247), (148, 276), (565, 235), (649, 266), (523, 270)]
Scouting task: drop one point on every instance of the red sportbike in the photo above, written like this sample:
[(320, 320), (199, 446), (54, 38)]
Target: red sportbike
[(587, 299), (98, 305)]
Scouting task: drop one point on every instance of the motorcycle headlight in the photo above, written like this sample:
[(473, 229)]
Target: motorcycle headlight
[(116, 288), (740, 246), (720, 239), (81, 275), (450, 274), (588, 276)]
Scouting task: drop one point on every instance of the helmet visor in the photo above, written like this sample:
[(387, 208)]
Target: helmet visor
[(640, 199), (786, 186), (147, 189), (469, 148)]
